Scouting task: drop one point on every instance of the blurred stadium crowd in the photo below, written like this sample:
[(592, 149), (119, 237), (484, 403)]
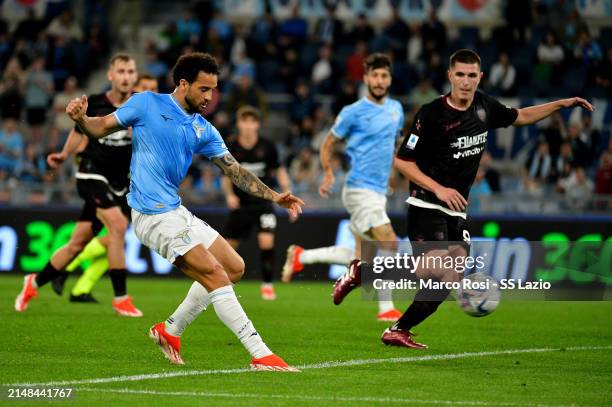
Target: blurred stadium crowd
[(299, 73)]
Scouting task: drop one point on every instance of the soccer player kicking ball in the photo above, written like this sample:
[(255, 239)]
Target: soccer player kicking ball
[(168, 130), (370, 127), (440, 156)]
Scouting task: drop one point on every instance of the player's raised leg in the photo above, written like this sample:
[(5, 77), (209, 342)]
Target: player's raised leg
[(297, 257)]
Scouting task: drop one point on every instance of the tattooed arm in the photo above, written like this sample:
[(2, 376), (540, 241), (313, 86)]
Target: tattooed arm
[(243, 178), (250, 183)]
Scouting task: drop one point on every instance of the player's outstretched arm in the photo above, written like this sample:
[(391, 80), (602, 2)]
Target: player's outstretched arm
[(250, 183), (97, 127), (70, 146), (533, 114)]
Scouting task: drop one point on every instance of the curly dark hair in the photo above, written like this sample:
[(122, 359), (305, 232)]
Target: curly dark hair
[(189, 66)]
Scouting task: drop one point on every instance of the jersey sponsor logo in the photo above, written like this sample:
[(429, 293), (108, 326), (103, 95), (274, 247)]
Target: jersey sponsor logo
[(257, 168), (468, 153), (470, 141), (117, 139), (412, 141)]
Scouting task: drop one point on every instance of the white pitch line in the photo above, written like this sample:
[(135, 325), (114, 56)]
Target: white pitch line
[(317, 398), (322, 365)]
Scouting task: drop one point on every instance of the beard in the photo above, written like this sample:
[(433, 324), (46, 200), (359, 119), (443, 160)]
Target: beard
[(375, 96), (193, 107)]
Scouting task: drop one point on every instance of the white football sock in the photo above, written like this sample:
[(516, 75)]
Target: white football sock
[(230, 312), (328, 255), (195, 302), (385, 296)]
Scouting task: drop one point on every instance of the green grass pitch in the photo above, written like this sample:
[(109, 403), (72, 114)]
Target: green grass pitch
[(524, 354)]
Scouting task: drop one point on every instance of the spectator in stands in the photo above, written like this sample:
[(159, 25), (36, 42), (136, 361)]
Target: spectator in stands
[(295, 27), (555, 132), (423, 93), (323, 71), (502, 79), (414, 47), (243, 66), (303, 103), (329, 29), (579, 144), (562, 164), (289, 70), (263, 36), (34, 165), (601, 75), (436, 72), (154, 64), (304, 171), (577, 187), (189, 26), (62, 124), (245, 92), (65, 26), (549, 51), (29, 27), (603, 178), (11, 97), (397, 32), (362, 30), (586, 50), (550, 59), (221, 26), (538, 168), (518, 16), (434, 34), (354, 63), (38, 95), (11, 147), (346, 96)]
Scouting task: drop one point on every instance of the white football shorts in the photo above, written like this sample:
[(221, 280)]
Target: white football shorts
[(366, 207), (174, 233)]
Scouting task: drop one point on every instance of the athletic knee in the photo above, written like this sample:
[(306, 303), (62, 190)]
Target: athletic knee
[(235, 269), (118, 227)]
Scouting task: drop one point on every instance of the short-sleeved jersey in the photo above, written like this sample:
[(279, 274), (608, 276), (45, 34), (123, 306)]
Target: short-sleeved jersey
[(164, 139), (107, 157), (370, 131), (447, 144), (261, 160)]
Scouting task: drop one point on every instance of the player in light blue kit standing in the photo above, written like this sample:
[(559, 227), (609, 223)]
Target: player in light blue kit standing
[(371, 126), (168, 130)]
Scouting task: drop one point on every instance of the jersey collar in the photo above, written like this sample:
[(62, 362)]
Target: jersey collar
[(176, 103)]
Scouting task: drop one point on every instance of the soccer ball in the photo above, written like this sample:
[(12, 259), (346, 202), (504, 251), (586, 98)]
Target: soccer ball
[(478, 294)]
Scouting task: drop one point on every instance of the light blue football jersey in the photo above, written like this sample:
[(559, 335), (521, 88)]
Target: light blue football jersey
[(164, 139), (370, 131)]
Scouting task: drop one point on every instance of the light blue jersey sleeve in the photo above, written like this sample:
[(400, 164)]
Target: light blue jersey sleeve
[(400, 124), (212, 145), (132, 112), (343, 124)]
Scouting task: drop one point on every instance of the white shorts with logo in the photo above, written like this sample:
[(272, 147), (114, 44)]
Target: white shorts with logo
[(174, 233), (366, 207)]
